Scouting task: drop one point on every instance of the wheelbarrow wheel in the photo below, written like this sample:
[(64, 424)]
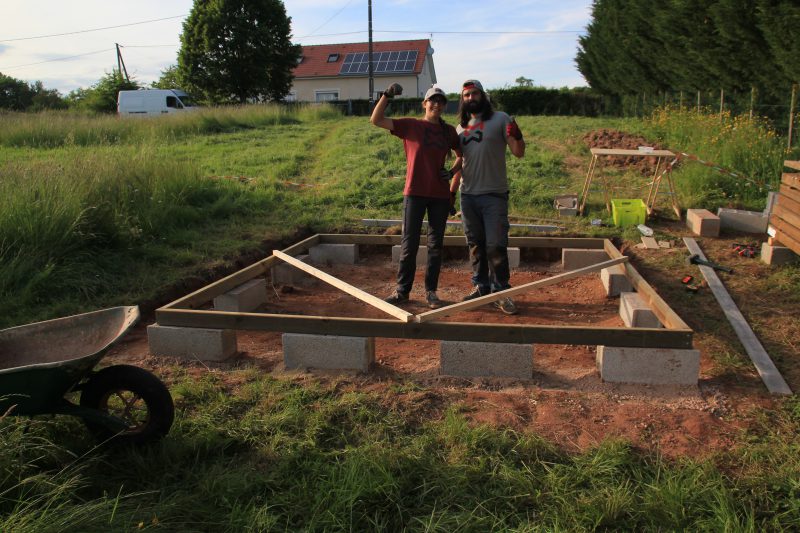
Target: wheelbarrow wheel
[(134, 396)]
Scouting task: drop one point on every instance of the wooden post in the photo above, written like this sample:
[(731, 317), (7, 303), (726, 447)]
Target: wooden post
[(680, 101), (698, 101), (721, 102), (791, 113), (752, 100)]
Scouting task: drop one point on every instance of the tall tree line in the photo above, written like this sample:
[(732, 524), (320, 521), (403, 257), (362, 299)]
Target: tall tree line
[(640, 47)]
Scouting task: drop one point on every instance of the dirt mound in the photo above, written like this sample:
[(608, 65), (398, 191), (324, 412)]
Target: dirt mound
[(607, 138)]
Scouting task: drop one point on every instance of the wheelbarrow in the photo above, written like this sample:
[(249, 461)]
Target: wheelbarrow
[(43, 362)]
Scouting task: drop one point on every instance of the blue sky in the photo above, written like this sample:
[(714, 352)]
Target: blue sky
[(495, 59)]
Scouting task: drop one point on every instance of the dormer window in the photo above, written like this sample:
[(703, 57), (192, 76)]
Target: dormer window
[(333, 58), (299, 60)]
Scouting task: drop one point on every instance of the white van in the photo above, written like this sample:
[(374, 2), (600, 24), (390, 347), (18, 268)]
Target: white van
[(153, 102)]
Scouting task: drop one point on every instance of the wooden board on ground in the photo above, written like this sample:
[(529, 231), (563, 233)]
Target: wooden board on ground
[(787, 234), (650, 243), (489, 298), (766, 368), (374, 301), (792, 164)]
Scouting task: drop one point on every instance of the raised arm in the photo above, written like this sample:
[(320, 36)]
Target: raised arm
[(514, 139), (378, 117)]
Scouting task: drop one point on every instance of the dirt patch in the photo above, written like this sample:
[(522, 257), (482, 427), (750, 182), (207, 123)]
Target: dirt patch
[(608, 138), (566, 402)]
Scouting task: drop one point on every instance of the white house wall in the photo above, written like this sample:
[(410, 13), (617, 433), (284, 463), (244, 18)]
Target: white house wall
[(356, 88)]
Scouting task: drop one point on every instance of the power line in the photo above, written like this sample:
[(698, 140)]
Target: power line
[(57, 59), (330, 19), (433, 32), (90, 30)]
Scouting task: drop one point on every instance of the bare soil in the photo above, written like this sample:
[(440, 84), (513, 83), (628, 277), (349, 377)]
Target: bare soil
[(566, 402)]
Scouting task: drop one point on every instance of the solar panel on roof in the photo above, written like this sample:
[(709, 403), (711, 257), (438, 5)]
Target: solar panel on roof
[(382, 62)]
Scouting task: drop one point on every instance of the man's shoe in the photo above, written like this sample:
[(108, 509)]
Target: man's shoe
[(433, 301), (507, 306), (396, 297), (476, 293)]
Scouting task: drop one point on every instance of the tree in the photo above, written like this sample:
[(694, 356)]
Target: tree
[(522, 81), (102, 96), (15, 94), (45, 98), (170, 79), (237, 50)]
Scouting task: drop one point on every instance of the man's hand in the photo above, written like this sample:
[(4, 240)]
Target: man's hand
[(512, 130), (446, 174), (452, 203), (394, 89)]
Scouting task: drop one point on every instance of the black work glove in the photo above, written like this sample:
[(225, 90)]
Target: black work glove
[(446, 174), (452, 203), (394, 89)]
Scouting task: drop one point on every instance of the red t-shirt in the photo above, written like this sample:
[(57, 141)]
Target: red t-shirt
[(427, 145)]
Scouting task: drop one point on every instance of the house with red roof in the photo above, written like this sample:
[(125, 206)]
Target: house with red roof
[(341, 71)]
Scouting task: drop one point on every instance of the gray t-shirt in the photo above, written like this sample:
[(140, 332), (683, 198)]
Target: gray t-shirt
[(484, 146)]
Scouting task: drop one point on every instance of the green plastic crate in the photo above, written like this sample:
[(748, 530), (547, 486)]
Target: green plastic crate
[(628, 212)]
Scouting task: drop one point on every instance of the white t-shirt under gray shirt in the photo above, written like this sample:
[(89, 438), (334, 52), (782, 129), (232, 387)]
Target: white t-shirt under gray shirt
[(484, 146)]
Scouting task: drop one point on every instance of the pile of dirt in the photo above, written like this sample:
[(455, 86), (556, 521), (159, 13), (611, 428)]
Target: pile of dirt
[(608, 138)]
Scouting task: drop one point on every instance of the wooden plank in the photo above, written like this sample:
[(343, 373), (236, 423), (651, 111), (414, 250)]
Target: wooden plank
[(459, 240), (790, 217), (791, 179), (788, 203), (453, 331), (209, 292), (664, 312), (302, 246), (789, 192), (489, 298), (366, 297), (792, 164), (786, 234), (650, 242), (766, 368), (622, 152)]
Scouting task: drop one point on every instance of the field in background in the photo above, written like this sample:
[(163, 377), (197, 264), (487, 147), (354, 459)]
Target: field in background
[(97, 212)]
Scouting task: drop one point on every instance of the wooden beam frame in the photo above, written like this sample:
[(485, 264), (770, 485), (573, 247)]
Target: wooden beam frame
[(184, 312)]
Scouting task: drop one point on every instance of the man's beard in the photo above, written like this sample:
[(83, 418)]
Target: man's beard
[(475, 106)]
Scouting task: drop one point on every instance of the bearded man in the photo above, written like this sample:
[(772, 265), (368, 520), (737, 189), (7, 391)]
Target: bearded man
[(484, 134)]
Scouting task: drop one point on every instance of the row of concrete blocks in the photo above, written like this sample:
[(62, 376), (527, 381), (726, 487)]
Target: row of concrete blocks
[(457, 358)]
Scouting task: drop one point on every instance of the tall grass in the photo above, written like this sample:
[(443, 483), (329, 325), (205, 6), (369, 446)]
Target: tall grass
[(52, 129), (750, 147)]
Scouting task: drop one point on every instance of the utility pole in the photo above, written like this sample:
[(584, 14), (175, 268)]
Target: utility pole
[(121, 64), (371, 81)]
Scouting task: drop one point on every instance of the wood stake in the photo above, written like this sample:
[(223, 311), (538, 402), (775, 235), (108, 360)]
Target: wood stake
[(791, 113)]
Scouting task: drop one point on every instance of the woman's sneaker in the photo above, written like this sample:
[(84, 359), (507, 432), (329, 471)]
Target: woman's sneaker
[(476, 293), (433, 301), (396, 297), (507, 306)]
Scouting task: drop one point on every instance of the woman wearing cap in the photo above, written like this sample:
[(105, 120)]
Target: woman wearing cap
[(427, 144)]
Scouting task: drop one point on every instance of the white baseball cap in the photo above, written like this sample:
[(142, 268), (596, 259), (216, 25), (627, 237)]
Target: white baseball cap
[(433, 91)]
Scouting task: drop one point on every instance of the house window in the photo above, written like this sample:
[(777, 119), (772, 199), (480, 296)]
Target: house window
[(333, 58), (327, 96), (291, 97), (299, 60)]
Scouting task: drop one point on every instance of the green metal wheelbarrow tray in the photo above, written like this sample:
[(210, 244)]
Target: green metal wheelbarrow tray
[(43, 362)]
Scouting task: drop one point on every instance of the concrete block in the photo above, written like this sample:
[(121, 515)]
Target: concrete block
[(244, 298), (575, 258), (702, 222), (650, 366), (328, 352), (484, 359), (567, 212), (615, 280), (743, 221), (422, 255), (635, 313), (346, 254), (777, 255), (772, 198), (191, 343), (513, 257), (286, 274)]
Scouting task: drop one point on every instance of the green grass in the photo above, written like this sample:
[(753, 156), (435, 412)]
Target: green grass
[(98, 211), (275, 455)]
